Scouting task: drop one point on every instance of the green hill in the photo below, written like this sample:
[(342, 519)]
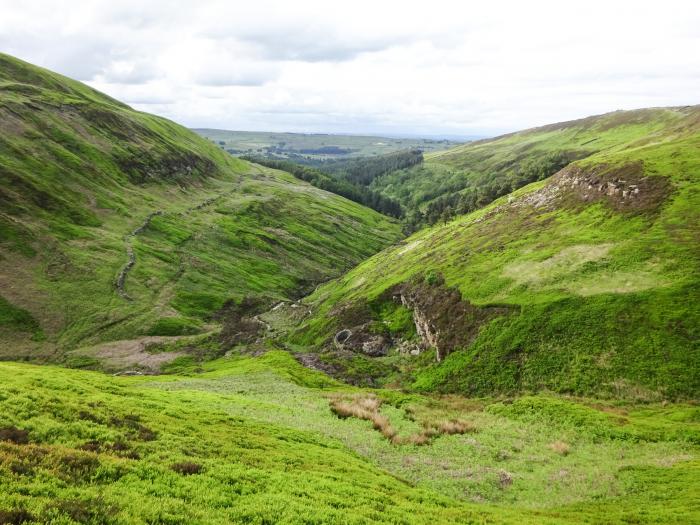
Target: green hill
[(116, 224), (464, 178), (584, 283), (130, 244), (252, 440)]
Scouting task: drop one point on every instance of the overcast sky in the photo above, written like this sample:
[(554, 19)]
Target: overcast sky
[(425, 68)]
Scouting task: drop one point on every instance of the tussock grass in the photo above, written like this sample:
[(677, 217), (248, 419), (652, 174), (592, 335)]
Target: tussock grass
[(560, 448), (367, 407), (456, 426)]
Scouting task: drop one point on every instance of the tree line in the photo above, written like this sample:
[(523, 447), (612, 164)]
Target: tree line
[(465, 200), (364, 170), (340, 186)]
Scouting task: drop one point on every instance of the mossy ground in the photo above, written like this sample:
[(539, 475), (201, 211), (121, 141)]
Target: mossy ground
[(268, 450)]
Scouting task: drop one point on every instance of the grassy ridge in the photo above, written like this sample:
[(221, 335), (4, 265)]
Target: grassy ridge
[(461, 179), (606, 288), (87, 184)]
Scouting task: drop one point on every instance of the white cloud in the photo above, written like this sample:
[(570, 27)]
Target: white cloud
[(368, 66)]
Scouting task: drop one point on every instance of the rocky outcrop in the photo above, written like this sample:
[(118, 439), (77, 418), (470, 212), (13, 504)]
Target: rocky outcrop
[(362, 339), (623, 187), (444, 320)]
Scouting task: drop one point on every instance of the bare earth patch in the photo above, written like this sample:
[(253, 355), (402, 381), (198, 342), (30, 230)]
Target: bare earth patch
[(132, 354)]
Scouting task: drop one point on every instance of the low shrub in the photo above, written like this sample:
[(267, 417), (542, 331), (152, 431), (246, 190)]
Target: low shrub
[(15, 517), (187, 468), (14, 435)]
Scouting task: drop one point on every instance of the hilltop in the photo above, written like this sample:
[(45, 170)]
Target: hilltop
[(531, 362), (119, 225)]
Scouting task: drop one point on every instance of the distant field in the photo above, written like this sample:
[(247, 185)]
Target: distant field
[(300, 145)]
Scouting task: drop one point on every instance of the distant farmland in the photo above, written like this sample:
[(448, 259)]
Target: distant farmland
[(315, 146)]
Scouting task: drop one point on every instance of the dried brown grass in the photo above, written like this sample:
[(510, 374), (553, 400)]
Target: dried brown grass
[(560, 448), (456, 426), (367, 408)]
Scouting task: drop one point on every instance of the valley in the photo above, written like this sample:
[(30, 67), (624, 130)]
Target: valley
[(191, 337)]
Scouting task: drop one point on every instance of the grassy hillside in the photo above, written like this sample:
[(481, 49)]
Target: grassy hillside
[(253, 440), (116, 224), (464, 178), (585, 283), (314, 146)]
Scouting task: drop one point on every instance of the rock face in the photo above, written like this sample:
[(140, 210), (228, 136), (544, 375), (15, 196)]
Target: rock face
[(622, 187), (361, 339), (427, 331), (409, 347), (444, 320)]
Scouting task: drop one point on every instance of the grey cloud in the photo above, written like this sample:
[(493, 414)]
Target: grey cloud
[(72, 57), (316, 47), (237, 75), (128, 72)]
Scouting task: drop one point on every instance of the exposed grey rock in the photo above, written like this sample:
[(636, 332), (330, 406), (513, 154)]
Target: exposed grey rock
[(361, 339), (342, 336), (375, 346)]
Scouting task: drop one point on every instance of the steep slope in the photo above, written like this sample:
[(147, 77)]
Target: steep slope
[(464, 178), (115, 224), (585, 283)]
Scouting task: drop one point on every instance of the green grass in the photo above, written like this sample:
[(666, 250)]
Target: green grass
[(604, 298), (101, 450), (503, 160), (565, 396), (79, 172)]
